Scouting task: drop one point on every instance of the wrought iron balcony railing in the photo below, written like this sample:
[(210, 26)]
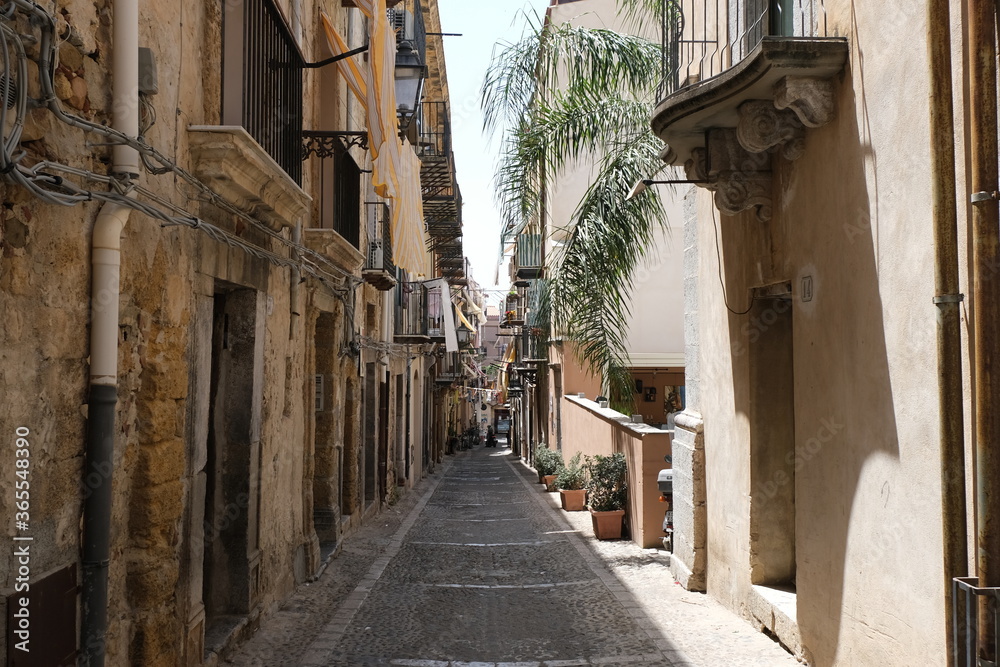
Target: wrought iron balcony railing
[(407, 19), (339, 183), (514, 310), (411, 314), (379, 269), (703, 38), (449, 368), (435, 131)]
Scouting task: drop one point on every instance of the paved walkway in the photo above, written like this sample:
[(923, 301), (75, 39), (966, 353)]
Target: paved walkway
[(477, 568)]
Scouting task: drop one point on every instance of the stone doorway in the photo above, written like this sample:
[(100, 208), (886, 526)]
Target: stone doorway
[(772, 444), (230, 563), (326, 473)]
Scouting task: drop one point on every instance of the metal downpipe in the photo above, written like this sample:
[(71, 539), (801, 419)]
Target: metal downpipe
[(981, 45), (103, 397), (954, 530), (100, 446)]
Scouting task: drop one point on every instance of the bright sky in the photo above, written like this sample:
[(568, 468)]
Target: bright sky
[(482, 25)]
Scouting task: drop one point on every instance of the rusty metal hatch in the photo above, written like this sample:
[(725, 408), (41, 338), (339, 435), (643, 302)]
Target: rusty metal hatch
[(53, 627)]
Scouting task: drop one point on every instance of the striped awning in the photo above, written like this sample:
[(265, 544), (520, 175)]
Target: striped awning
[(396, 167)]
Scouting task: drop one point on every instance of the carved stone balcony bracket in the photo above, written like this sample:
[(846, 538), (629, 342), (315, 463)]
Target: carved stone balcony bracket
[(810, 98), (725, 129), (740, 179), (762, 128)]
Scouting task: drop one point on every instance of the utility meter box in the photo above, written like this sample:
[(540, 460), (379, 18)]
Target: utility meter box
[(665, 480)]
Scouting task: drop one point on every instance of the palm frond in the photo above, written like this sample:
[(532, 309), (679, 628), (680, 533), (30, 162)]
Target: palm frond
[(560, 94), (591, 280), (549, 55)]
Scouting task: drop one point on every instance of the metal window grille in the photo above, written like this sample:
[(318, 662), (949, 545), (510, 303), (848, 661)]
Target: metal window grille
[(320, 393), (262, 86), (347, 198)]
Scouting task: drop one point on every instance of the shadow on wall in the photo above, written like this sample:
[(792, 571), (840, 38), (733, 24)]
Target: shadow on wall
[(812, 377)]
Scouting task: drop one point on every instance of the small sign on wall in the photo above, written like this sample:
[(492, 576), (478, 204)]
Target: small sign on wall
[(807, 288)]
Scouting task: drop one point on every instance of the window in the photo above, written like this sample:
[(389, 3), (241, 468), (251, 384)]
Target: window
[(767, 17), (262, 80)]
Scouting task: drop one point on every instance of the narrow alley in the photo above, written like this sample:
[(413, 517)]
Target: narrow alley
[(478, 566)]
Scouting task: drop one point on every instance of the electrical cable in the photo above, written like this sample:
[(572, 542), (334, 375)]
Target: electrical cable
[(57, 190), (718, 254)]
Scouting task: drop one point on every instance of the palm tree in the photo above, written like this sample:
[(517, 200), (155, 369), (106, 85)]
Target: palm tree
[(560, 94)]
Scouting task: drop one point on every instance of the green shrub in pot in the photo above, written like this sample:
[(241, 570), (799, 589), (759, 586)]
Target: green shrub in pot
[(607, 486), (572, 476), (547, 461)]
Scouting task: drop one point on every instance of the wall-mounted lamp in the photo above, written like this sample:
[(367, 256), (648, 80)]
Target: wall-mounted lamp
[(640, 186), (410, 74)]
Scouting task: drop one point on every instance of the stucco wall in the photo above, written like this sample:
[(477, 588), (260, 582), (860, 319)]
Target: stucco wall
[(590, 429), (853, 216)]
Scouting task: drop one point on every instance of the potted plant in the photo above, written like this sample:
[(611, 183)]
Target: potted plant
[(571, 481), (607, 489), (547, 463)]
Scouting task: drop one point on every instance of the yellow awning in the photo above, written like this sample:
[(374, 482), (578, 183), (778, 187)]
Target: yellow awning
[(461, 316), (396, 167), (358, 78)]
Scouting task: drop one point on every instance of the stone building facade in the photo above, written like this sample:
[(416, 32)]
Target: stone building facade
[(265, 409)]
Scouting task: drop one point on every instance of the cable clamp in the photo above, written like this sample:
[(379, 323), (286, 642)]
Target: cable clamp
[(982, 197), (949, 298)]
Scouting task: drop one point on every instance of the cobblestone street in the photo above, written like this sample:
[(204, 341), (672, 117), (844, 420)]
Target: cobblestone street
[(477, 567)]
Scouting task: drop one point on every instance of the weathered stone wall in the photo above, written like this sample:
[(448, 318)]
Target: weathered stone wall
[(169, 516)]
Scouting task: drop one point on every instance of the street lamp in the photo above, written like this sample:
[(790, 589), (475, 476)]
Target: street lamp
[(410, 73), (515, 389), (464, 336)]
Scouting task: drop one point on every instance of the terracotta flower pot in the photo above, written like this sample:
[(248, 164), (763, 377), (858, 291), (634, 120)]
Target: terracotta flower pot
[(573, 500), (549, 481), (608, 525)]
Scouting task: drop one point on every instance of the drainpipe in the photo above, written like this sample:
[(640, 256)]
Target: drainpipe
[(981, 44), (103, 398), (294, 290), (947, 299)]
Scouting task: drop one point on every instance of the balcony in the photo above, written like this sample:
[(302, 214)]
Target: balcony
[(435, 316), (742, 80), (449, 368), (406, 18), (450, 259), (513, 315), (379, 271), (442, 198), (528, 259), (411, 315), (262, 80)]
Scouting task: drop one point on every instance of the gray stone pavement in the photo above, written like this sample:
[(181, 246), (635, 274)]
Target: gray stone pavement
[(477, 567)]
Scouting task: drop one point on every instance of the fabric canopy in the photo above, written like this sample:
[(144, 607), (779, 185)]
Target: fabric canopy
[(396, 167)]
